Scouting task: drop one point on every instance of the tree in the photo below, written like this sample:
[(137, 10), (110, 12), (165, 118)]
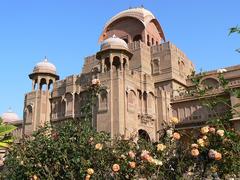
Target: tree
[(235, 29), (5, 134)]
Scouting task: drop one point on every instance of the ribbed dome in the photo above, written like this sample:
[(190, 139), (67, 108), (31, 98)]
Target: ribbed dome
[(45, 67), (114, 43), (10, 116)]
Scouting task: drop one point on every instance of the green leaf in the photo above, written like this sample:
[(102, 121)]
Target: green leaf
[(5, 145), (5, 129)]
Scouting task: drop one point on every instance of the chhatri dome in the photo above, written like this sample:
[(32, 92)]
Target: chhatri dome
[(114, 43), (45, 67), (10, 116)]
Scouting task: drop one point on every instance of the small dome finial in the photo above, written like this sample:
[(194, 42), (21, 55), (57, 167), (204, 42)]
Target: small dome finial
[(45, 59), (114, 36), (10, 109)]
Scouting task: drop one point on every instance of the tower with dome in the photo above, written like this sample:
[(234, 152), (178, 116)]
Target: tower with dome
[(143, 74)]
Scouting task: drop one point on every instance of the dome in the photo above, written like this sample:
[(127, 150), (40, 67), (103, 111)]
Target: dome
[(10, 116), (114, 43), (45, 67), (140, 13)]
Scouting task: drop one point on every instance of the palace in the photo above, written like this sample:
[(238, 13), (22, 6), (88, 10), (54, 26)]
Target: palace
[(143, 74)]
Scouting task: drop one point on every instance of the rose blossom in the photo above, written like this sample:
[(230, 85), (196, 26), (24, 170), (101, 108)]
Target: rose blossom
[(131, 154), (132, 165), (201, 142), (87, 177), (115, 167), (212, 130), (220, 132), (218, 156), (195, 152), (174, 120), (176, 136), (95, 82), (161, 147), (205, 130), (211, 154), (98, 146), (157, 162), (90, 171)]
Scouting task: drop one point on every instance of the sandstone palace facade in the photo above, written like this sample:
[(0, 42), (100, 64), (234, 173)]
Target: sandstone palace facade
[(143, 74)]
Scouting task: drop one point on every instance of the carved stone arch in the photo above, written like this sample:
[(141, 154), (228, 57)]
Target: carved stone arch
[(131, 100), (116, 63), (29, 113), (209, 82), (103, 100), (143, 134), (43, 84), (155, 66), (151, 102), (69, 103)]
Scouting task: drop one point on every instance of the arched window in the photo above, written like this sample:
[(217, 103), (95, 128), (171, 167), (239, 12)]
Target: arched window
[(103, 100), (43, 84), (63, 108), (152, 41), (29, 114), (50, 85), (106, 64), (116, 62), (131, 100), (145, 101), (151, 103), (35, 85), (210, 83), (137, 37), (155, 66), (124, 63), (69, 99)]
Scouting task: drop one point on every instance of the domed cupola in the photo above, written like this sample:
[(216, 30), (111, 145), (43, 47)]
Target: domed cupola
[(114, 43), (10, 117), (45, 67)]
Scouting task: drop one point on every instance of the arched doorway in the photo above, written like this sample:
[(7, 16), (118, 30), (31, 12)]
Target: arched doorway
[(142, 134)]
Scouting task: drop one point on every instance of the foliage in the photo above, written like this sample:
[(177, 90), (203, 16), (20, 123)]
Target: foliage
[(5, 136), (235, 29)]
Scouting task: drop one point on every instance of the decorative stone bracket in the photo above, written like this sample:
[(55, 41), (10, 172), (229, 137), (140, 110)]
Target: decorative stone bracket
[(146, 119)]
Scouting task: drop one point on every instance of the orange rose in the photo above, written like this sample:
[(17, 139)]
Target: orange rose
[(132, 165), (176, 136), (90, 171), (218, 156), (195, 152), (87, 177), (35, 177), (115, 167)]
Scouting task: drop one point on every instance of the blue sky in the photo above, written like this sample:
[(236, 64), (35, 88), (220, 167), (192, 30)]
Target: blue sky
[(66, 31)]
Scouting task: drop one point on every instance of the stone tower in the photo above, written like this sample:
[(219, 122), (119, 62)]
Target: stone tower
[(37, 107), (114, 61)]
